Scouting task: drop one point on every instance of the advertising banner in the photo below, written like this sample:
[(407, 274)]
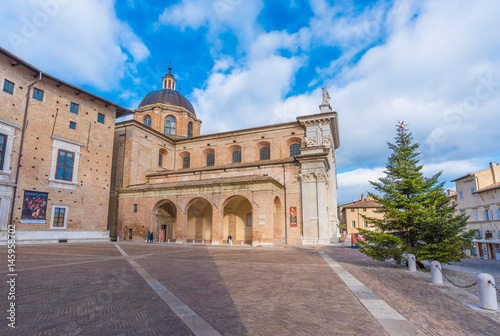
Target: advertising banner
[(34, 207), (293, 216)]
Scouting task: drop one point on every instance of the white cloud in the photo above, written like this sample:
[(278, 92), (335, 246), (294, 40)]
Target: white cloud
[(81, 42)]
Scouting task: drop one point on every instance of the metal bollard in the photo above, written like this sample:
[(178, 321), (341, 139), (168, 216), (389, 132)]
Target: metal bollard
[(487, 292), (437, 276), (412, 263)]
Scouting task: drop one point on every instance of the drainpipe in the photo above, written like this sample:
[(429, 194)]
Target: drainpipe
[(21, 147), (284, 192)]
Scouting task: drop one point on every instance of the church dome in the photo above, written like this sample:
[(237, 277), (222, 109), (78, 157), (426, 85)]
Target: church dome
[(169, 97)]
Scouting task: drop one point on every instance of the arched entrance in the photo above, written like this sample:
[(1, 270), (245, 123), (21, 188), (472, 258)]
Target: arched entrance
[(278, 217), (238, 219), (199, 221), (166, 215)]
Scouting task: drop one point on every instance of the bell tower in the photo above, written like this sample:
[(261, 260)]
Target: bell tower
[(169, 80)]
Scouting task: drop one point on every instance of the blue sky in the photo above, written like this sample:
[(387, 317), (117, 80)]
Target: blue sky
[(242, 63)]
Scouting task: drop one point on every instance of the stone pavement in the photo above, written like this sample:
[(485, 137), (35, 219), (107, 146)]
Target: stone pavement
[(92, 289)]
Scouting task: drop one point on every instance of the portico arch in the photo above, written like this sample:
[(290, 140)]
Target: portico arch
[(278, 218), (199, 220), (165, 213), (237, 220)]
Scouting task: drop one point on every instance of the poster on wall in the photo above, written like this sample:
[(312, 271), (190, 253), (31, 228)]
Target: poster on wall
[(34, 207), (293, 216)]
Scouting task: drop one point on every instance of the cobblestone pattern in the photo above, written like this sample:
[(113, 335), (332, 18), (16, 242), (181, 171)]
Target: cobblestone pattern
[(432, 311), (259, 292), (94, 298)]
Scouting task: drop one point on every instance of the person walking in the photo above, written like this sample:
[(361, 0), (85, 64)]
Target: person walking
[(230, 239), (152, 239), (149, 237)]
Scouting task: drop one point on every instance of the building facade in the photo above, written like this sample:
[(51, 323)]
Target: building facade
[(266, 185), (478, 197), (351, 214), (56, 149)]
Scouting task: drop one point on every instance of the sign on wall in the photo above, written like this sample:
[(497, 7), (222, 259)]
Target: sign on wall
[(293, 216), (34, 207)]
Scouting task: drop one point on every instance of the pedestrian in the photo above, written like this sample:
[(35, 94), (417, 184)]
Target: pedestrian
[(152, 239), (230, 239), (149, 237)]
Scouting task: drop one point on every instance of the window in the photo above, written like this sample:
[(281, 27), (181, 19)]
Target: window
[(64, 165), (147, 121), (294, 149), (236, 156), (366, 223), (249, 219), (135, 207), (38, 94), (490, 214), (472, 192), (211, 159), (170, 125), (73, 108), (160, 159), (59, 217), (265, 153), (476, 218), (364, 209), (461, 195), (352, 210), (190, 129), (485, 215), (100, 118), (498, 214), (186, 161), (353, 223), (3, 147), (72, 125), (8, 86)]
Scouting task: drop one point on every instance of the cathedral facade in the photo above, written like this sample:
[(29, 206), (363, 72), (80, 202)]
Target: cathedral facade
[(268, 185)]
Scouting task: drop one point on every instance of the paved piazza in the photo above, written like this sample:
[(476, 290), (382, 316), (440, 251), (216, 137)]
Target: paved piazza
[(153, 289)]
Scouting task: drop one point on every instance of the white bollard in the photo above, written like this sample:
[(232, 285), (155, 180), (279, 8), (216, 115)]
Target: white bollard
[(169, 241), (203, 241), (241, 243), (412, 263), (118, 238), (193, 241), (437, 276), (231, 241), (486, 292)]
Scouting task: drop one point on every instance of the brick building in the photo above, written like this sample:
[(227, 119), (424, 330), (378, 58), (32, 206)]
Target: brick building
[(350, 214), (265, 185), (56, 148)]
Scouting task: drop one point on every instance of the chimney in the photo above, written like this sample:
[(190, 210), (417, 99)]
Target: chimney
[(362, 197), (495, 171)]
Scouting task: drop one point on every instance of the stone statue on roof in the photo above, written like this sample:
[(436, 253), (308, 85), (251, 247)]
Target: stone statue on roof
[(326, 96)]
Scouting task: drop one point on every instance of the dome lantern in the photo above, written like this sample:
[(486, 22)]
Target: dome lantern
[(169, 80)]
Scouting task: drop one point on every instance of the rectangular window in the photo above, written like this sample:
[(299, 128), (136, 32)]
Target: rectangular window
[(65, 162), (73, 108), (3, 145), (186, 162), (498, 214), (472, 192), (160, 160), (38, 94), (352, 210), (364, 209), (72, 125), (476, 218), (366, 223), (461, 195), (135, 207), (249, 219), (236, 156), (8, 86), (490, 214), (100, 118), (485, 215), (59, 216), (353, 223)]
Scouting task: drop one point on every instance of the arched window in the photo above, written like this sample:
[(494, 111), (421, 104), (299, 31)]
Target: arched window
[(186, 162), (294, 149), (265, 153), (147, 121), (170, 125), (190, 129), (236, 156), (160, 159), (210, 159)]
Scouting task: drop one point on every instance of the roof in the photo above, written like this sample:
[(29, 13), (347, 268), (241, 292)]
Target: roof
[(169, 97), (362, 204), (462, 177), (120, 111), (488, 188)]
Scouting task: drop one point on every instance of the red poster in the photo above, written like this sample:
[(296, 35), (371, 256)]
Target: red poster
[(293, 216)]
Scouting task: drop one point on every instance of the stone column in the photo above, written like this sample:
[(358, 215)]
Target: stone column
[(180, 227), (322, 204), (217, 217)]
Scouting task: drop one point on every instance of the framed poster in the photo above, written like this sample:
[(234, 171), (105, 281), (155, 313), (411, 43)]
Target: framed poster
[(293, 216), (34, 207)]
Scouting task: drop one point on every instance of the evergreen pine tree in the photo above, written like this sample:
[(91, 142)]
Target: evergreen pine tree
[(418, 216)]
